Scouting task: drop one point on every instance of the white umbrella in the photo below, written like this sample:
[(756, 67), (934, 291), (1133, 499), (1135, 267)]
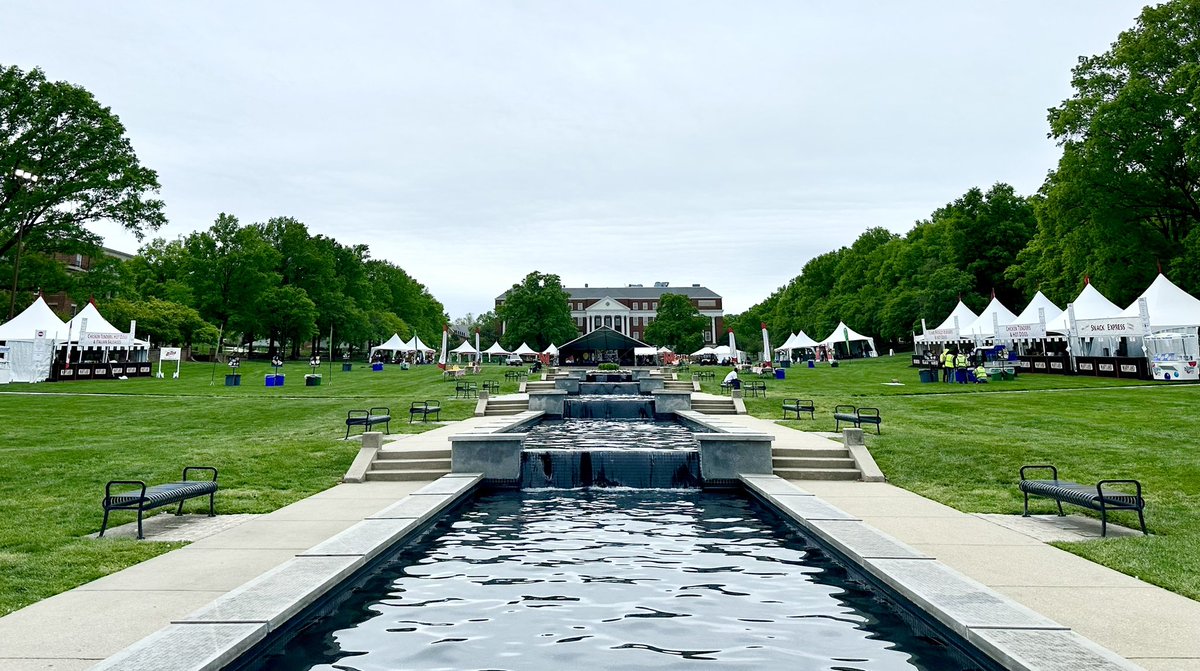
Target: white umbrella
[(766, 344)]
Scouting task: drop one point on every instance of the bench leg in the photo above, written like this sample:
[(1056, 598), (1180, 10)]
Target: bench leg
[(1060, 510), (179, 510), (1103, 521), (104, 524), (347, 432), (1142, 522), (140, 535), (387, 427), (1026, 513), (212, 511)]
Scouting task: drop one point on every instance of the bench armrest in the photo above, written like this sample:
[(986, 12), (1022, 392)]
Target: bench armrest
[(1052, 469), (209, 469), (1135, 483), (416, 405), (355, 414), (386, 411), (845, 408), (868, 412), (125, 483), (433, 405)]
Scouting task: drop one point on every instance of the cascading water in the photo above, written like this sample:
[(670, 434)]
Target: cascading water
[(640, 469)]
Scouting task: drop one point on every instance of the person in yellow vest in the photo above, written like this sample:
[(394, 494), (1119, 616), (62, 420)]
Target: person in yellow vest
[(981, 373), (960, 366), (944, 363)]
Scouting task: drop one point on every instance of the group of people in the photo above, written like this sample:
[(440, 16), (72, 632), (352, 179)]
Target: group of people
[(956, 363)]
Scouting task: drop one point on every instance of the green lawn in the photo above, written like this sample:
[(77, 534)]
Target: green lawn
[(273, 446), (958, 444), (964, 444)]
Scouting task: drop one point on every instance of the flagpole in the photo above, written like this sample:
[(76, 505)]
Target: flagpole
[(331, 353), (216, 350)]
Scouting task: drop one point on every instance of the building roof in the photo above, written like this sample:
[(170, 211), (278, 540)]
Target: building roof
[(638, 292), (602, 338)]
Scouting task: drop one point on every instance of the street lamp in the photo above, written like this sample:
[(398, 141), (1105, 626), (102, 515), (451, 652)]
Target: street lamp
[(22, 177)]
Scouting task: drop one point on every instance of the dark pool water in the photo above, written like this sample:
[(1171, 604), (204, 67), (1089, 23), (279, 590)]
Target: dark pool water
[(602, 579), (609, 434)]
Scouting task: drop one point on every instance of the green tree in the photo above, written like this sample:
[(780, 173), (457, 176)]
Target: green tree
[(677, 325), (536, 311), (159, 321), (230, 270), (86, 166), (1126, 192)]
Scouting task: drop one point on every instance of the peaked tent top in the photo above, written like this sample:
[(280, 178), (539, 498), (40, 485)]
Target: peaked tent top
[(983, 324), (96, 323), (464, 348), (1168, 305), (416, 345), (495, 349), (1030, 314), (37, 317), (603, 338), (965, 317), (551, 350), (1090, 304), (524, 349), (841, 333)]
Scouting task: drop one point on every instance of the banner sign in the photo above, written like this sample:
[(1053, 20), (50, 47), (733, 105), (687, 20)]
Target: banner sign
[(937, 335), (1113, 326), (169, 354), (1021, 331), (105, 340)]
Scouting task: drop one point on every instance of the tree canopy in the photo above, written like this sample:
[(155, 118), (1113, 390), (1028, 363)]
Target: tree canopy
[(678, 324), (536, 312), (86, 167)]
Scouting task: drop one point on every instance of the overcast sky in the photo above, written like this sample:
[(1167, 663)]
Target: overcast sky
[(718, 143)]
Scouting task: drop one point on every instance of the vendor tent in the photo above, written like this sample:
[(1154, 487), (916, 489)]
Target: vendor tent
[(551, 350), (797, 341), (1030, 314), (1169, 306), (846, 337), (97, 325), (393, 344), (415, 345), (495, 349), (600, 345), (464, 348), (704, 351), (946, 331), (984, 325), (524, 350), (1090, 304), (30, 338)]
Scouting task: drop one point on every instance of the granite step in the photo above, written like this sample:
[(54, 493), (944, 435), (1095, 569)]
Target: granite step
[(818, 473)]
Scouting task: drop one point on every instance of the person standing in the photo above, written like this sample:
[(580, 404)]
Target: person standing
[(960, 367), (945, 363)]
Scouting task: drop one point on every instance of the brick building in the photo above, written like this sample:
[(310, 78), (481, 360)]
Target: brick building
[(630, 309)]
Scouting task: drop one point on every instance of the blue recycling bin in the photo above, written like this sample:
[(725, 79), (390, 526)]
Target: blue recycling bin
[(779, 373), (347, 366), (270, 380), (812, 364), (377, 367)]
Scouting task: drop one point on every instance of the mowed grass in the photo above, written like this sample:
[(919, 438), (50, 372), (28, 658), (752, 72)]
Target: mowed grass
[(959, 444), (60, 443), (963, 445)]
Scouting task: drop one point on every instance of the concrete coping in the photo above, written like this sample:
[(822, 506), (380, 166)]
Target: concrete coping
[(736, 437), (216, 634), (486, 437), (1013, 635)]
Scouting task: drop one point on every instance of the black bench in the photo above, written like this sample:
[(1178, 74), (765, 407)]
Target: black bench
[(492, 386), (368, 419), (704, 375), (147, 498), (856, 416), (464, 389), (799, 405), (1086, 496), (424, 409), (752, 388), (515, 375)]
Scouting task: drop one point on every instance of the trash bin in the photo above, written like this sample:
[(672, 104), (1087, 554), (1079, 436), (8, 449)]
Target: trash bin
[(270, 380), (786, 363), (312, 380), (347, 366), (377, 367), (233, 380), (812, 364), (928, 375), (779, 373)]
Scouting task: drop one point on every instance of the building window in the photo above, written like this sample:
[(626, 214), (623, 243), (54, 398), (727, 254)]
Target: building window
[(706, 303), (654, 305)]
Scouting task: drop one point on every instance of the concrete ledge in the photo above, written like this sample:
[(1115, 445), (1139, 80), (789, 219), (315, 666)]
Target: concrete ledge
[(278, 594), (669, 400), (456, 486), (549, 402), (372, 441), (861, 542), (367, 539), (856, 446), (766, 485), (725, 456), (187, 647), (419, 508), (1040, 649)]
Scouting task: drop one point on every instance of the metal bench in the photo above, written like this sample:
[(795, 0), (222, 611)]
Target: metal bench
[(368, 419), (463, 389), (147, 498), (491, 386), (856, 416), (754, 388), (799, 405), (424, 409), (1086, 496)]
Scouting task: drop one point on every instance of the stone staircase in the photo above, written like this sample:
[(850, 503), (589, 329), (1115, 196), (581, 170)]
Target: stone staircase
[(506, 406), (678, 385), (420, 464), (539, 385), (819, 463), (714, 406)]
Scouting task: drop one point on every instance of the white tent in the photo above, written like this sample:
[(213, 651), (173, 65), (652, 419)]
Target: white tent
[(393, 344), (1090, 304), (495, 349), (29, 355), (1169, 306), (1030, 314), (664, 350), (645, 351), (464, 348), (551, 350), (415, 345), (98, 325), (965, 316), (797, 341), (525, 350), (983, 326), (842, 334), (706, 350)]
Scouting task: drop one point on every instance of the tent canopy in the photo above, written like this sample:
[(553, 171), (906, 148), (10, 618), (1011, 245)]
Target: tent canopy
[(842, 334), (96, 323), (797, 341), (965, 317), (1168, 305), (464, 348), (982, 326), (1030, 314), (495, 349), (645, 351), (525, 350), (393, 344), (551, 350), (705, 350), (415, 345), (37, 317), (602, 339), (1090, 304)]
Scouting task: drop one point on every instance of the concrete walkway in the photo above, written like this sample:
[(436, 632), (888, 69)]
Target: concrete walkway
[(1157, 629)]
